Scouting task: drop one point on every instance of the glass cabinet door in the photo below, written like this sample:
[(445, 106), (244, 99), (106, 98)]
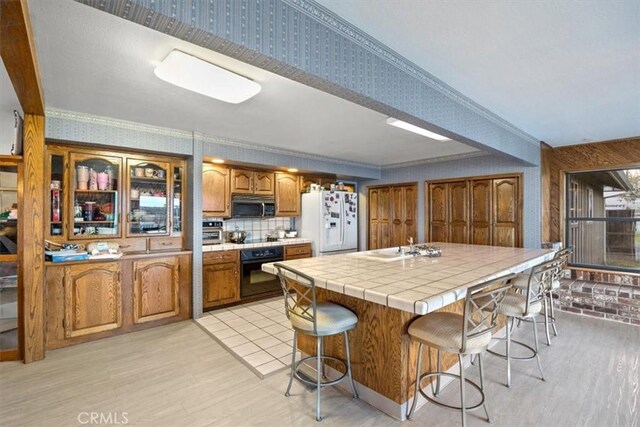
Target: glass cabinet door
[(177, 199), (9, 327), (149, 192), (93, 201), (56, 202)]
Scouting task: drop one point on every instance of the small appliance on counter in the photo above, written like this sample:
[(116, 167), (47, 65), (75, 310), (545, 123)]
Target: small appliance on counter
[(212, 232), (237, 236)]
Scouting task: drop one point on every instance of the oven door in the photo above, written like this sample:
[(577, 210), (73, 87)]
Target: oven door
[(256, 283)]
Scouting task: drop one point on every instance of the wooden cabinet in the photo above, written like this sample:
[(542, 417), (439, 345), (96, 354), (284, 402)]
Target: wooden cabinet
[(155, 289), (148, 190), (478, 210), (392, 215), (216, 195), (252, 182), (287, 195), (324, 181), (297, 251), (220, 278), (448, 211), (92, 299)]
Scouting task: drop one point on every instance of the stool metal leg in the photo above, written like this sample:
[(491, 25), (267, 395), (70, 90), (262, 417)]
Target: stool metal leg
[(553, 315), (293, 361), (462, 381), (535, 338), (486, 409), (436, 390), (324, 374), (417, 390), (353, 386), (318, 375), (546, 319), (509, 325)]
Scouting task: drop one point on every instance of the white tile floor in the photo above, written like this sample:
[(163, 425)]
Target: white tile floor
[(258, 334)]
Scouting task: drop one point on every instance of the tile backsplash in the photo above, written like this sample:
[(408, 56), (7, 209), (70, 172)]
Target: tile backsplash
[(257, 228)]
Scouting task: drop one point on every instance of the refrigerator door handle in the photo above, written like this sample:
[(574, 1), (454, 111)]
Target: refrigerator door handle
[(343, 222)]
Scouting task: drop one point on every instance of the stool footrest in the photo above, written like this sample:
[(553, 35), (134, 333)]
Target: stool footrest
[(306, 380), (444, 405), (504, 356)]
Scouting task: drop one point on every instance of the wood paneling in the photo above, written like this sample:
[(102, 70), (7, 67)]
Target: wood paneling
[(216, 200), (287, 194), (392, 215), (93, 299), (616, 154), (32, 246), (19, 55), (155, 289)]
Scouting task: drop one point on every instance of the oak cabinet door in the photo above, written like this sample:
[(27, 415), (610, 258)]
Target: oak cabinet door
[(505, 212), (458, 211), (155, 289), (264, 184), (438, 208), (221, 284), (287, 195), (481, 212), (93, 299), (215, 191), (297, 251), (241, 181)]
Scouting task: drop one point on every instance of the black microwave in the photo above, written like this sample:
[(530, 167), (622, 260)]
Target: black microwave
[(253, 207)]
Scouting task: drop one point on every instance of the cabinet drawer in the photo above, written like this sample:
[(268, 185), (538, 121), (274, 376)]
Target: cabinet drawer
[(216, 257), (297, 251), (132, 245), (165, 243)]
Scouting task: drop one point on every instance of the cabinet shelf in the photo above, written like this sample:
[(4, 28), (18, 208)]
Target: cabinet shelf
[(97, 191), (147, 179), (94, 222)]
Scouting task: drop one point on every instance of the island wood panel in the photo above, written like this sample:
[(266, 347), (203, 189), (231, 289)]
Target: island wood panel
[(481, 200), (614, 154), (216, 199), (287, 194), (383, 357), (93, 298), (156, 289), (56, 302)]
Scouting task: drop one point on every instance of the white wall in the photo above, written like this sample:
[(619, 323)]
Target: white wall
[(8, 103)]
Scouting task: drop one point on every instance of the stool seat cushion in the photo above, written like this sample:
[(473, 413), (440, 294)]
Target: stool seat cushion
[(444, 331), (514, 305), (331, 319)]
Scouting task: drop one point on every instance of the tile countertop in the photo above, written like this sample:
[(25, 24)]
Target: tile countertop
[(232, 246), (418, 285)]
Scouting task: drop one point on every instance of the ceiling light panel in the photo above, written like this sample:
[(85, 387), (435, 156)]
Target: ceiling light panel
[(415, 129), (194, 74)]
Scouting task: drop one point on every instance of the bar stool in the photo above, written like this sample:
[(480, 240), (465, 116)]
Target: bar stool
[(319, 320), (461, 334), (521, 280), (525, 306)]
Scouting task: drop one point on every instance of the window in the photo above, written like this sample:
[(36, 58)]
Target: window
[(603, 219)]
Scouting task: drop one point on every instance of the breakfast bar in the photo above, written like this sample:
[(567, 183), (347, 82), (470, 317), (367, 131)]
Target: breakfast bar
[(387, 289)]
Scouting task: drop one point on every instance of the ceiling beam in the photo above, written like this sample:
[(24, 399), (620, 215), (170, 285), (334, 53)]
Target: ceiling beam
[(18, 54)]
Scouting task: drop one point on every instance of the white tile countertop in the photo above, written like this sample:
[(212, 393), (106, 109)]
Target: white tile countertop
[(232, 246), (418, 284)]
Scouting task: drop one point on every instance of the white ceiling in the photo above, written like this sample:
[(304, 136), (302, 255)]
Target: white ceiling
[(96, 63), (566, 72)]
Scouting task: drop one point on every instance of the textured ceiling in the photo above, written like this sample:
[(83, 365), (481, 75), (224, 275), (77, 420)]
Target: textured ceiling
[(566, 72), (96, 63)]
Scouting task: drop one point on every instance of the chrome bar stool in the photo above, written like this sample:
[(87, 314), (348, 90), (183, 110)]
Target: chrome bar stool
[(462, 334), (522, 279), (317, 319), (525, 306)]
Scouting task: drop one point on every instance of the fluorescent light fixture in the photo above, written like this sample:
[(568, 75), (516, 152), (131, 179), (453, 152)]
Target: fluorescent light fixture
[(415, 129), (218, 161), (194, 74), (292, 170)]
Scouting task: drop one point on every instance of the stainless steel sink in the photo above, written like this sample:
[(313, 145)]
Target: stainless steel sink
[(385, 255)]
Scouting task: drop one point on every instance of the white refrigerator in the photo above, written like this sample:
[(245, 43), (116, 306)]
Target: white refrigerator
[(330, 220)]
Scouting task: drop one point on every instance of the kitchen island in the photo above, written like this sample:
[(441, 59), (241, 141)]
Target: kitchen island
[(387, 290)]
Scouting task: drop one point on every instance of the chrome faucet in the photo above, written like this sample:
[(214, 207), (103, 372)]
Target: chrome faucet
[(411, 247)]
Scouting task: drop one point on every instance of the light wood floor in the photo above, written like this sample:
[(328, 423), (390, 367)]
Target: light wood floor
[(178, 376)]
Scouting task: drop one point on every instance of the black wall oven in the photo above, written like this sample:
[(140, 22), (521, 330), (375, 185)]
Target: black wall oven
[(255, 283)]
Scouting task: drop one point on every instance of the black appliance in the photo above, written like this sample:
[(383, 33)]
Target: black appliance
[(253, 207), (211, 232), (255, 283)]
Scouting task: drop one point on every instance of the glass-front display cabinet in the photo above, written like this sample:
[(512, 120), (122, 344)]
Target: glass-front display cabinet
[(9, 248), (93, 197), (177, 199), (149, 197)]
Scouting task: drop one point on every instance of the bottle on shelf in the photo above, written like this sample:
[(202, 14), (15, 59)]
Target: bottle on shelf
[(109, 173)]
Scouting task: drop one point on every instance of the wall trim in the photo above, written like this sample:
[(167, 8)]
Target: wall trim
[(434, 160)]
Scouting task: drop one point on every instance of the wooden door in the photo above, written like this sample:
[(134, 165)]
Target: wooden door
[(379, 208), (287, 195), (506, 221), (397, 237), (373, 200), (264, 184), (481, 202), (215, 190), (410, 208), (93, 299), (155, 289), (220, 284), (458, 211), (241, 181), (438, 208)]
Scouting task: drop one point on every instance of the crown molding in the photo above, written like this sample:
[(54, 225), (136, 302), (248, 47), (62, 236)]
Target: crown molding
[(435, 160)]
